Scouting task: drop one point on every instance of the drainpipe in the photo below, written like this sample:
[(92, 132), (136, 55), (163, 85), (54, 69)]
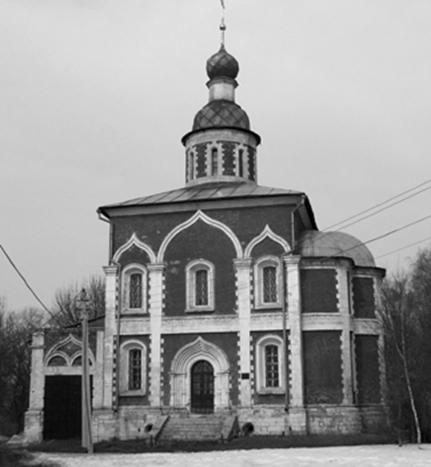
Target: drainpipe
[(285, 304)]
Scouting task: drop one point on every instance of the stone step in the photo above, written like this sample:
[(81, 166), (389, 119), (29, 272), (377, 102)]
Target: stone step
[(192, 427)]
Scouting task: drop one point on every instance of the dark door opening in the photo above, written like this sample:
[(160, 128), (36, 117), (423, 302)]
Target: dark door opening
[(202, 387), (62, 407)]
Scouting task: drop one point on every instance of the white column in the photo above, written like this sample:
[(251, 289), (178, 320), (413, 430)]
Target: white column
[(346, 342), (37, 381), (381, 340), (34, 416), (243, 269), (297, 417), (111, 275), (155, 308), (98, 374)]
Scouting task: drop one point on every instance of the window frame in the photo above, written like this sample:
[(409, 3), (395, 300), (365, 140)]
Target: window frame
[(191, 269), (127, 272), (125, 349), (259, 267), (261, 345)]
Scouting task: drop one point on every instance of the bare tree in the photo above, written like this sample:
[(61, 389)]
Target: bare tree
[(66, 310), (15, 335)]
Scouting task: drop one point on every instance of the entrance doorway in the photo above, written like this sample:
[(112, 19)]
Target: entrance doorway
[(62, 407), (62, 414), (202, 387)]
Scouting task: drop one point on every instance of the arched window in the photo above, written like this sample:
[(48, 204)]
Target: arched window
[(269, 368), (240, 162), (57, 360), (214, 161), (200, 286), (267, 282), (133, 368), (134, 289)]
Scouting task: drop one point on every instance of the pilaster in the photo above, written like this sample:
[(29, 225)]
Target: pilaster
[(297, 415), (155, 272), (98, 375), (344, 307), (111, 278), (243, 271)]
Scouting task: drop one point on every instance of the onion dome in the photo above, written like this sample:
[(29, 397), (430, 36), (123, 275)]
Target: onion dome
[(222, 64), (221, 114), (313, 243)]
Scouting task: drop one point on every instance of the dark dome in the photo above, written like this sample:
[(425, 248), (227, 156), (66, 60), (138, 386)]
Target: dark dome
[(222, 64), (318, 244), (221, 113)]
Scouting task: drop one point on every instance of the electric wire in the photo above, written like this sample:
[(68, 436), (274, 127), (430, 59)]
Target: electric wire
[(344, 226), (404, 247), (382, 203)]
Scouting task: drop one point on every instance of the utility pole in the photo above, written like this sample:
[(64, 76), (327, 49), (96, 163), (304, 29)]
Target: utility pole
[(87, 440)]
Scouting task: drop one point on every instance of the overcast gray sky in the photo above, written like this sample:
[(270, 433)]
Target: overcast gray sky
[(96, 94)]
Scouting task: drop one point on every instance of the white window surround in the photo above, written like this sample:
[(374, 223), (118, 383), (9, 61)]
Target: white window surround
[(125, 349), (260, 264), (130, 269), (191, 269), (261, 365)]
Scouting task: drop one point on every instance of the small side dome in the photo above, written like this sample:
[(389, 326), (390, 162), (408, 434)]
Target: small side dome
[(222, 64), (313, 243), (221, 113)]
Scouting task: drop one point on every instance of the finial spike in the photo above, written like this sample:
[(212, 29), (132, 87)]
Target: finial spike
[(222, 23)]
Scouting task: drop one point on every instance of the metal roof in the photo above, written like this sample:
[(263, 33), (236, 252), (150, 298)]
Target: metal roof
[(207, 191)]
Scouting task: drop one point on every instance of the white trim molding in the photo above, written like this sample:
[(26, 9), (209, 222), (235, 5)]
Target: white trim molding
[(199, 215), (126, 273), (125, 349), (260, 264), (180, 374), (134, 241), (266, 233), (56, 351), (261, 345), (191, 269)]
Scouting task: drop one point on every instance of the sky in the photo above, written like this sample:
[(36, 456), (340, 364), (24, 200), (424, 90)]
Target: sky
[(95, 96)]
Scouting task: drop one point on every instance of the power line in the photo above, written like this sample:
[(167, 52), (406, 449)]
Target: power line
[(384, 208), (404, 247), (379, 204), (387, 234), (26, 282)]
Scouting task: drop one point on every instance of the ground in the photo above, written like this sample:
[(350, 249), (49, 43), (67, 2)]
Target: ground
[(351, 456)]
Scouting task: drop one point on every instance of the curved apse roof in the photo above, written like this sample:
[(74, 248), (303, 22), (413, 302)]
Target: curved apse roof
[(313, 243)]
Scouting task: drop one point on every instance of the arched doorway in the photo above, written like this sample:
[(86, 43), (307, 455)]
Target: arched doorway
[(202, 387)]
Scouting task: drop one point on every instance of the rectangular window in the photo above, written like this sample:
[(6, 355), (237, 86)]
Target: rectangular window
[(271, 367), (135, 291), (319, 291), (363, 297), (201, 287), (269, 284), (367, 369), (135, 369), (322, 367)]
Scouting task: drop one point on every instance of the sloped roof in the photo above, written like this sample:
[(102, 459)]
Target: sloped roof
[(201, 192)]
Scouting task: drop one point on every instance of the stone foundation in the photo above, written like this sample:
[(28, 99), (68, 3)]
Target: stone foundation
[(33, 430), (137, 422)]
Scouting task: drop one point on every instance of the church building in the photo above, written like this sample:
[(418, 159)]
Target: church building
[(226, 308)]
